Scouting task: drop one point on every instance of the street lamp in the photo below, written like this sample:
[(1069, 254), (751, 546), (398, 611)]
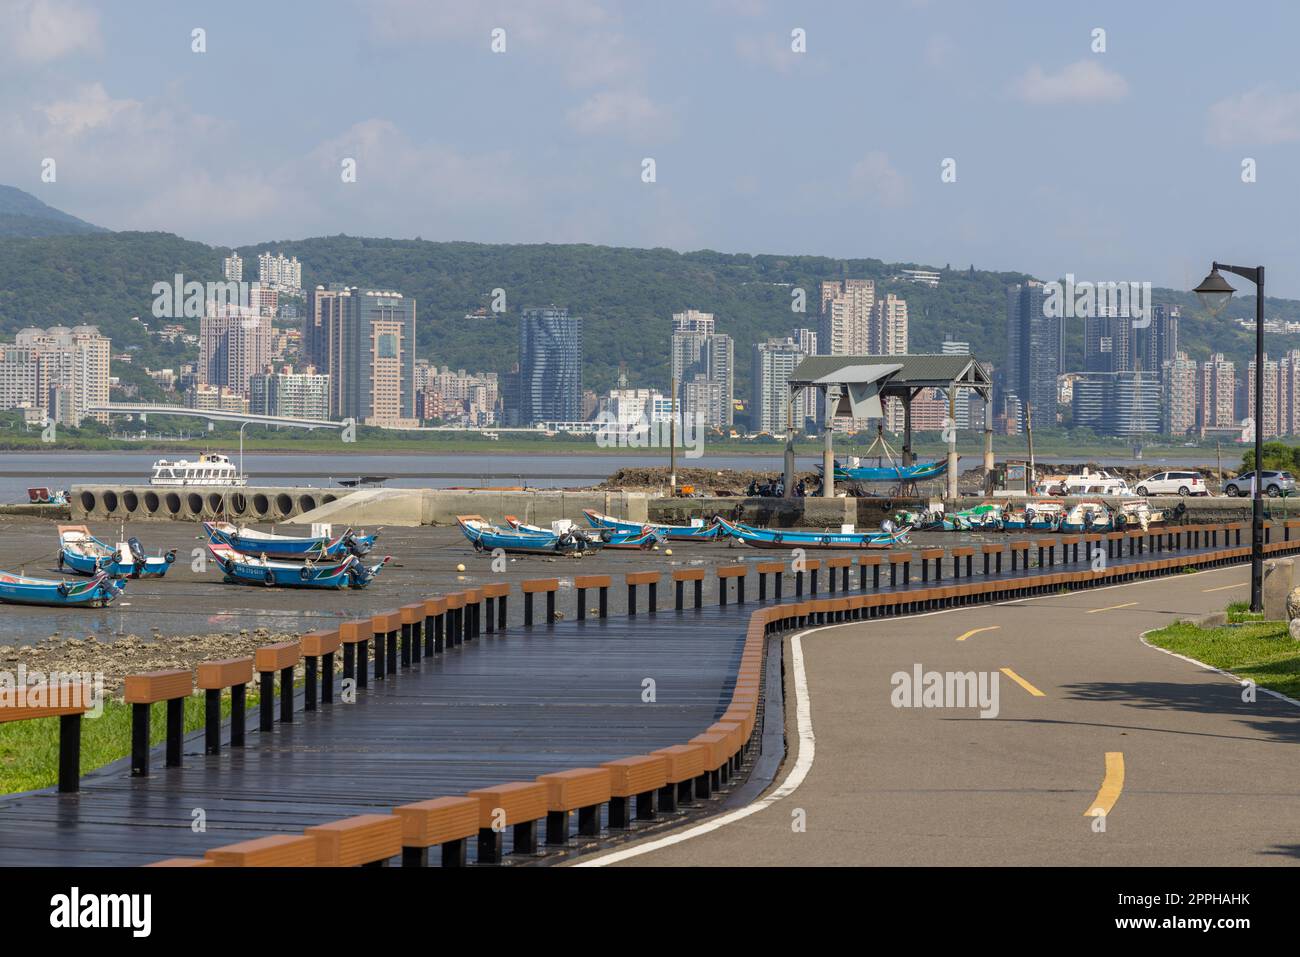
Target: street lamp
[(1214, 293)]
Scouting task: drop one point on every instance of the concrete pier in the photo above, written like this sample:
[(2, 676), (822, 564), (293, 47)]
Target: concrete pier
[(196, 503)]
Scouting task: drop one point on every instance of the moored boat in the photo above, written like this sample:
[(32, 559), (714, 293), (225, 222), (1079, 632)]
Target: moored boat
[(787, 538), (485, 536), (239, 568), (1040, 516), (641, 537), (1140, 514), (98, 592), (890, 473), (1088, 516), (697, 531), (211, 468), (316, 547), (85, 554)]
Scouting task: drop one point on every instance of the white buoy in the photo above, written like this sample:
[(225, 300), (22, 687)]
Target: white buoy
[(460, 568), (668, 551)]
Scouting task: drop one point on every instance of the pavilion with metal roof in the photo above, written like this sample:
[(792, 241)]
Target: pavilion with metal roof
[(856, 386)]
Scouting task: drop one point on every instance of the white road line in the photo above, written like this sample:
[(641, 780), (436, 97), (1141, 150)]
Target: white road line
[(802, 765)]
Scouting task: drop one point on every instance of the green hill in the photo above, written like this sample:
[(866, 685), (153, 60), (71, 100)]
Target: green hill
[(627, 296), (23, 215)]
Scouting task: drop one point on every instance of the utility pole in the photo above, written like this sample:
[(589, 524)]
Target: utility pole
[(672, 439), (1032, 476)]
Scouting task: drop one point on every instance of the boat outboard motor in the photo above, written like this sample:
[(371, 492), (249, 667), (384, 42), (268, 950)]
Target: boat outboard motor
[(137, 555), (888, 526)]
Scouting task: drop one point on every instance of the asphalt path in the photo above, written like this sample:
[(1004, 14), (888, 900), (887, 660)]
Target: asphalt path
[(1103, 750)]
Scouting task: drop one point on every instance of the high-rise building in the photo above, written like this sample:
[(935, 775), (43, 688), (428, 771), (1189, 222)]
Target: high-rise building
[(1179, 379), (962, 404), (550, 366), (298, 395), (846, 317), (1135, 404), (698, 349), (1157, 343), (322, 314), (18, 376), (1288, 393), (772, 409), (280, 272), (1265, 414), (234, 345), (1107, 344), (232, 267), (1217, 391), (888, 332), (370, 348), (73, 365), (1035, 349)]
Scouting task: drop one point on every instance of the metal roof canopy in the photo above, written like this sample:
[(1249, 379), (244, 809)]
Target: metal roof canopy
[(909, 373)]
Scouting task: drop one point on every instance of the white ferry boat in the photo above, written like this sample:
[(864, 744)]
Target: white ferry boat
[(210, 469)]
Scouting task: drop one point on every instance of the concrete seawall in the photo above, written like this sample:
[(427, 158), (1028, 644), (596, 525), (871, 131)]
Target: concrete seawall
[(195, 503)]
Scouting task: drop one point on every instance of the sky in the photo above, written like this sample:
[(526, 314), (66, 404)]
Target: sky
[(1115, 164)]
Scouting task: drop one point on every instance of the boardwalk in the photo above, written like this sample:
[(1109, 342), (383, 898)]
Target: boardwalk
[(497, 709)]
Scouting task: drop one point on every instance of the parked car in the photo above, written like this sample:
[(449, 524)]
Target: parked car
[(1173, 483), (1273, 484)]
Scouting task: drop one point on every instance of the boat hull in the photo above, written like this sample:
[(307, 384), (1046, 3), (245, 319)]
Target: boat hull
[(97, 593), (672, 533), (831, 541), (294, 549), (154, 566)]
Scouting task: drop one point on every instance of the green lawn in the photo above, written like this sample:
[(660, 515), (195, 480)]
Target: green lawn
[(1261, 651), (29, 750)]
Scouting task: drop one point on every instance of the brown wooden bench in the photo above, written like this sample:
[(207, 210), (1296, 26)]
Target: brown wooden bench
[(685, 763), (318, 651), (897, 560), (583, 584), (384, 626), (495, 595), (769, 568), (455, 622), (651, 581), (683, 575), (268, 660), (636, 777), (992, 551), (366, 840), (445, 822), (535, 586), (282, 850), (1019, 550), (581, 789), (811, 566), (962, 551), (838, 567), (141, 692), (929, 555), (67, 701), (412, 617), (435, 613), (473, 613), (519, 804), (182, 862), (1046, 546), (716, 756), (355, 635), (726, 573), (869, 561), (215, 677)]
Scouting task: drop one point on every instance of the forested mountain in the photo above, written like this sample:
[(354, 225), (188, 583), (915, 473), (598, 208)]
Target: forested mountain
[(23, 215), (626, 296)]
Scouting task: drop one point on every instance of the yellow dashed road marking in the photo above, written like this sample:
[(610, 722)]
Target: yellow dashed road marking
[(1206, 591), (1111, 785), (1127, 604), (1023, 683), (976, 631)]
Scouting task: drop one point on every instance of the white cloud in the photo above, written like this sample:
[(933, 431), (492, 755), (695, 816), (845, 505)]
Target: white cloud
[(1257, 117), (876, 178), (37, 31), (1084, 81), (89, 108), (625, 112)]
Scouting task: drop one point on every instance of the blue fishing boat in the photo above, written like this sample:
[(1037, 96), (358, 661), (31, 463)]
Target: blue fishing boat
[(99, 592), (786, 538), (1043, 516), (315, 547), (1088, 517), (485, 536), (890, 473), (347, 572), (674, 533), (85, 554), (640, 537)]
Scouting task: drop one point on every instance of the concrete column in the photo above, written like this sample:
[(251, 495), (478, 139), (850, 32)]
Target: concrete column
[(828, 462), (988, 442), (908, 458), (950, 485)]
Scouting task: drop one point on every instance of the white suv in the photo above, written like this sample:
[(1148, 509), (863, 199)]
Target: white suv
[(1173, 483)]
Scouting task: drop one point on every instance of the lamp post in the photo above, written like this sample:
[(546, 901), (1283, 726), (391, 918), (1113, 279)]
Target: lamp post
[(1214, 293), (241, 447)]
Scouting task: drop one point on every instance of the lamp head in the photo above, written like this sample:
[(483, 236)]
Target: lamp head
[(1214, 292)]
